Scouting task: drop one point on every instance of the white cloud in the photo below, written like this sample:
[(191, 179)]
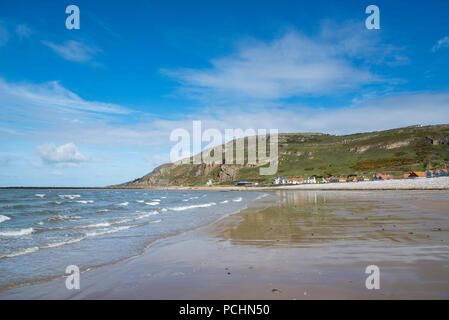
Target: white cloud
[(442, 43), (73, 50), (293, 65), (23, 30), (23, 103), (67, 153)]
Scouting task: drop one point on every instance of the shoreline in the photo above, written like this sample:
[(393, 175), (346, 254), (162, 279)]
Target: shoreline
[(263, 256), (435, 183)]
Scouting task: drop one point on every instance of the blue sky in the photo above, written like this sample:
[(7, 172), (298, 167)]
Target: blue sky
[(96, 106)]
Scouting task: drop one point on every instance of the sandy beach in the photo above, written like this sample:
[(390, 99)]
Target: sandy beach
[(437, 183), (289, 245)]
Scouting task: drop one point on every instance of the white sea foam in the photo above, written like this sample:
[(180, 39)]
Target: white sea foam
[(18, 233), (57, 202), (237, 199), (139, 217), (61, 243), (157, 200), (224, 201), (204, 205), (85, 201), (107, 231), (163, 210), (124, 221), (147, 214), (103, 211), (20, 252), (95, 225), (69, 196), (140, 201), (123, 204), (163, 197), (40, 195), (4, 218), (154, 203)]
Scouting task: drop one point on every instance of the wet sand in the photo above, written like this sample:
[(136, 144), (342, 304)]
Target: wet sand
[(290, 245)]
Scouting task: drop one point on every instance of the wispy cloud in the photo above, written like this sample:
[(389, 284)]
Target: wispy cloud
[(66, 154), (23, 31), (73, 50), (28, 107), (442, 43), (45, 101), (292, 65)]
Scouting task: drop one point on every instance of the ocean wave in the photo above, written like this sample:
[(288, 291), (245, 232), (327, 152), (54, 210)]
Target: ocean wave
[(61, 243), (61, 217), (56, 203), (40, 212), (263, 195), (154, 203), (204, 205), (191, 198), (102, 210), (85, 201), (20, 252), (122, 204), (4, 218), (95, 225), (107, 231), (224, 201), (146, 214), (140, 201), (58, 217), (237, 199), (155, 221), (69, 196), (17, 206), (40, 195), (18, 233)]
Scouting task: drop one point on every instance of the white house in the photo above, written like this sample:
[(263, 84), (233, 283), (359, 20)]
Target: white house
[(310, 180)]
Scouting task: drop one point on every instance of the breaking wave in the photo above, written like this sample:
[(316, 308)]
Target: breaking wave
[(22, 232), (4, 218), (20, 252), (182, 208)]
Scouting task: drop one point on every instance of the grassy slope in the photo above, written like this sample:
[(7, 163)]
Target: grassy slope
[(337, 155)]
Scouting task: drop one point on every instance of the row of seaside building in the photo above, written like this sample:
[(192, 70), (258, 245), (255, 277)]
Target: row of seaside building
[(352, 178)]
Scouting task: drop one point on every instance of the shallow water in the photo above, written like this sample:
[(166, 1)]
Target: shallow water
[(44, 231), (337, 219)]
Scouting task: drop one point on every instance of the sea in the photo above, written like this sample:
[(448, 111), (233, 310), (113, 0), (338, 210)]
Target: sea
[(43, 231)]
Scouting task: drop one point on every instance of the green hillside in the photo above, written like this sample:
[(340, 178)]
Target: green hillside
[(314, 154)]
